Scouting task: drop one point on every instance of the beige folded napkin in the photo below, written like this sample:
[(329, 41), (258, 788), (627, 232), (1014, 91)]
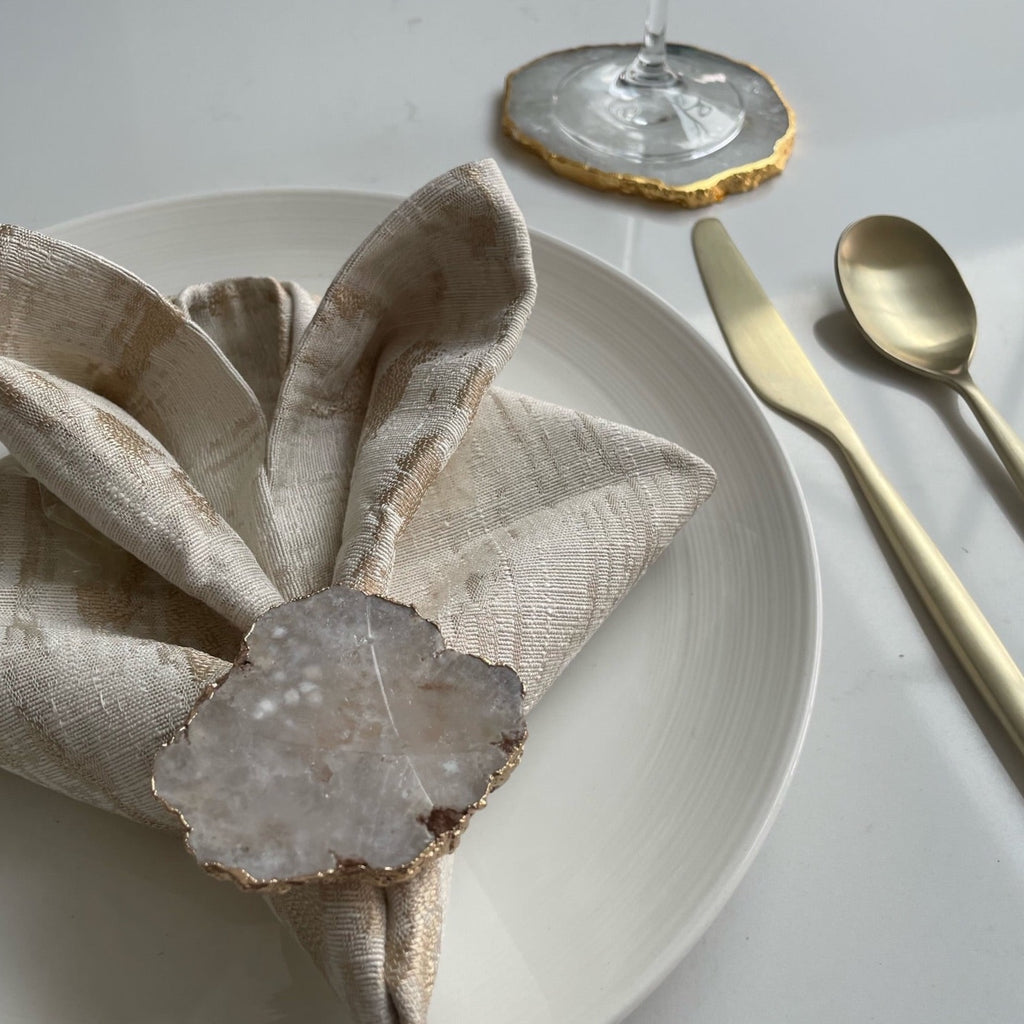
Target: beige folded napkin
[(179, 466)]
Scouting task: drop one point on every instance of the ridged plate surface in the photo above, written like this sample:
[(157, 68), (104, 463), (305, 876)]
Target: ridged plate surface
[(654, 767)]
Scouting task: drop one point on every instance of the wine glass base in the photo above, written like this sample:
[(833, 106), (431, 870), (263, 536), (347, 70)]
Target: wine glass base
[(688, 116), (718, 161)]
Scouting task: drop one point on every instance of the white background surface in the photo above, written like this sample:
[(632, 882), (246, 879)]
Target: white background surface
[(892, 886)]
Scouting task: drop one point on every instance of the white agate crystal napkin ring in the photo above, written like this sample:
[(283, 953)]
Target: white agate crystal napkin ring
[(345, 739), (306, 560)]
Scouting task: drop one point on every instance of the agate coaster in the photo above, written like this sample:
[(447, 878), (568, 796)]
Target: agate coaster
[(759, 152)]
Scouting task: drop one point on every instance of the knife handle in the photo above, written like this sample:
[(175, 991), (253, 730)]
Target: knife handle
[(969, 634)]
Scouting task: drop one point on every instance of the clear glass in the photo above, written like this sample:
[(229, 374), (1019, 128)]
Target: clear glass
[(653, 110)]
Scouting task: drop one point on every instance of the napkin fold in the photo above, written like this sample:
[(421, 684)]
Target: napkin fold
[(180, 466)]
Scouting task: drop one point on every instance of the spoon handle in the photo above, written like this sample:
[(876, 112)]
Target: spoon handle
[(1007, 444), (969, 634)]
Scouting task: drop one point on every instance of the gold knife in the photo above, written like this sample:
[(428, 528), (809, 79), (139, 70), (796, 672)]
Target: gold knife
[(778, 370)]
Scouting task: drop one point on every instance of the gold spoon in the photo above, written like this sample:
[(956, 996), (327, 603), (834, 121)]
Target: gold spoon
[(912, 304)]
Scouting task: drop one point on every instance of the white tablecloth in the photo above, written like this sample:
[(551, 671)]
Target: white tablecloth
[(892, 885)]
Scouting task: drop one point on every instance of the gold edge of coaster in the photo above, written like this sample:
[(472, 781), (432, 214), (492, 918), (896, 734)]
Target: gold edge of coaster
[(692, 195)]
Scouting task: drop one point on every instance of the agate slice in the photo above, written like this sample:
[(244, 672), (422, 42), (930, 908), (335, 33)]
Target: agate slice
[(346, 738)]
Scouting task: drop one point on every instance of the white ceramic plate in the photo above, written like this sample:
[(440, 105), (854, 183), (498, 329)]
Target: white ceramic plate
[(655, 766)]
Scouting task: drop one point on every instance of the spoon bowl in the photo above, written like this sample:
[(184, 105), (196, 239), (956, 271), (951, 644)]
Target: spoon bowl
[(907, 295), (911, 304)]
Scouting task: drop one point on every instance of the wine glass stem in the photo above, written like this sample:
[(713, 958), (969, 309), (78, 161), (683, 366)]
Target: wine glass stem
[(649, 67)]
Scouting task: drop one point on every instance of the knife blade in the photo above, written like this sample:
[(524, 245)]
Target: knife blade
[(779, 371)]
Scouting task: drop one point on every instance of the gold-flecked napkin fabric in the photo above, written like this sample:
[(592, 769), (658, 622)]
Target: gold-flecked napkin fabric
[(178, 466)]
